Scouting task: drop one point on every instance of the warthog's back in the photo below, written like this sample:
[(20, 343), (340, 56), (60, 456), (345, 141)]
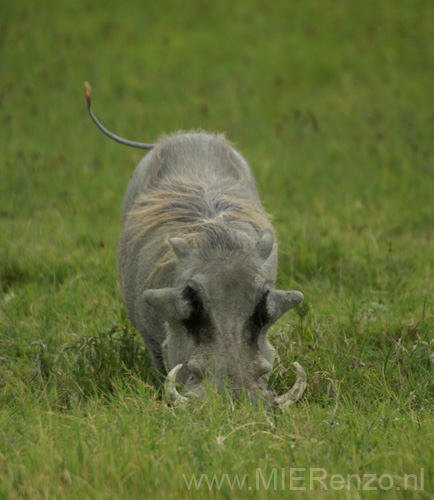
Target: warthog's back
[(190, 157)]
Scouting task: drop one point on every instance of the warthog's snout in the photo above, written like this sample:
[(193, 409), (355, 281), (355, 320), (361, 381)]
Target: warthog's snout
[(258, 396)]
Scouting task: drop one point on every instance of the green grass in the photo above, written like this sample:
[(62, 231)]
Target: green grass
[(332, 104)]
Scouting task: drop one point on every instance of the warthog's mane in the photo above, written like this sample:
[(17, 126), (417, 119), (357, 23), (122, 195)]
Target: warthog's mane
[(208, 215)]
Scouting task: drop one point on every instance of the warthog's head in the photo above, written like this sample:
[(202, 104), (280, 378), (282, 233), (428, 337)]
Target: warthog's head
[(217, 322)]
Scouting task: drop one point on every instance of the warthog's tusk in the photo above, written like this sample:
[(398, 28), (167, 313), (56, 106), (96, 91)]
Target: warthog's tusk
[(296, 392), (170, 387)]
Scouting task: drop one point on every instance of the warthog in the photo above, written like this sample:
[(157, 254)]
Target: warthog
[(197, 266)]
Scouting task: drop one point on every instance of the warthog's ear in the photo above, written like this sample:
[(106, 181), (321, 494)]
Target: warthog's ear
[(169, 303), (282, 301), (181, 248), (264, 246)]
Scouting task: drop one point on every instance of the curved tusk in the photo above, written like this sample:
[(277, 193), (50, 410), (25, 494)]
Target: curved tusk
[(170, 387), (296, 392)]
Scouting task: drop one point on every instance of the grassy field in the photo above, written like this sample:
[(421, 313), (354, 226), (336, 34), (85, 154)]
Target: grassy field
[(332, 103)]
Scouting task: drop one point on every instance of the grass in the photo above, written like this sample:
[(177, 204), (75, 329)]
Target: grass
[(332, 105)]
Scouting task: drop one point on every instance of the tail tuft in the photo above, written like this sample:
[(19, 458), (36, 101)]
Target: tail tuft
[(88, 92)]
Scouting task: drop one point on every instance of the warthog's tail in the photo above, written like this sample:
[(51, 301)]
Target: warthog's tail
[(126, 142)]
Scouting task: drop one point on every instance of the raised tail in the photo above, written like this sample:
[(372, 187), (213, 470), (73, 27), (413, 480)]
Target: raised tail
[(126, 142)]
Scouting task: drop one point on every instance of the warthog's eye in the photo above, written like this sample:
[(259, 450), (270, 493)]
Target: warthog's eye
[(260, 316), (196, 319)]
